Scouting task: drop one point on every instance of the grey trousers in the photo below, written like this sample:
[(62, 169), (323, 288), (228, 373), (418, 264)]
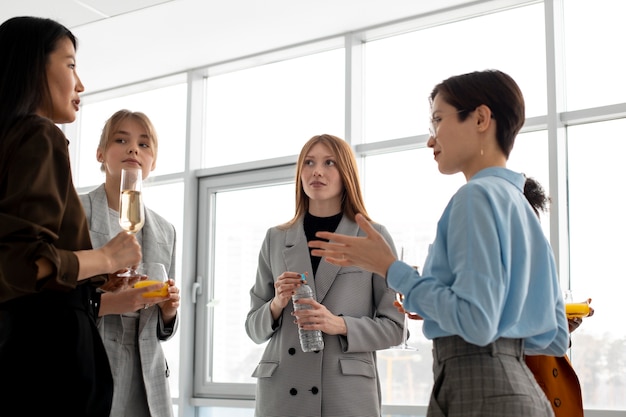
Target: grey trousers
[(484, 381)]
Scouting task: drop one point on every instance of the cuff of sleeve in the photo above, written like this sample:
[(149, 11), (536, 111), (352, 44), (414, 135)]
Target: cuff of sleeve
[(396, 274), (165, 330), (65, 270)]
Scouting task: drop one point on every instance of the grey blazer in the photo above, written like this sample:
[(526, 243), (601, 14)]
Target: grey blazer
[(341, 380), (159, 245)]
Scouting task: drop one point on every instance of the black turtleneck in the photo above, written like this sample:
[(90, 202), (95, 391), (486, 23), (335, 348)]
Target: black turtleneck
[(313, 224)]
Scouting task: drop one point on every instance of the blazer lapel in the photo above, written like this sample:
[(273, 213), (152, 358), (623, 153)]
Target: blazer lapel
[(149, 240), (99, 225), (326, 272), (150, 249), (296, 253), (297, 257)]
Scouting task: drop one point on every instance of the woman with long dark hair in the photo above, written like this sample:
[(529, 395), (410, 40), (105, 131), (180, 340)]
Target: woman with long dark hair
[(52, 360)]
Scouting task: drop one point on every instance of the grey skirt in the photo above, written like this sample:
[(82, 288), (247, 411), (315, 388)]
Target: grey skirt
[(484, 381)]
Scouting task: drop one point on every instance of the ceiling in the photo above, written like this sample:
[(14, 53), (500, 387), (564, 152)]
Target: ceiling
[(126, 41)]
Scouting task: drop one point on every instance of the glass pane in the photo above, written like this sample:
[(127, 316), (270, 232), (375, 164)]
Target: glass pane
[(419, 195), (594, 49), (530, 156), (401, 71), (166, 108), (238, 238), (597, 230), (159, 198), (271, 110)]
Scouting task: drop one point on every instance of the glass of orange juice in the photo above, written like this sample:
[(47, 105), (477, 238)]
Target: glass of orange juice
[(575, 309), (152, 273)]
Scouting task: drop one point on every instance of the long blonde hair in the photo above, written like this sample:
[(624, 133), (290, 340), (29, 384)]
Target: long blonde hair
[(352, 200)]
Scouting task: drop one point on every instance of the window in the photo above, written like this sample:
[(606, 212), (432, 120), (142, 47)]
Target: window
[(159, 197), (166, 108), (402, 70), (272, 110), (594, 71), (597, 227), (235, 213)]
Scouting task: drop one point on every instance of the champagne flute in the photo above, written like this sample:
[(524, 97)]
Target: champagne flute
[(404, 345), (131, 205)]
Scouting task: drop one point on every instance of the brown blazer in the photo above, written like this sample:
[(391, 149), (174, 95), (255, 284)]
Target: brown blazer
[(557, 379)]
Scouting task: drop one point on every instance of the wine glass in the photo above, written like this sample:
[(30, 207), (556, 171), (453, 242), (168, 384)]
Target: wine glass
[(575, 310), (404, 345), (151, 273), (131, 205)]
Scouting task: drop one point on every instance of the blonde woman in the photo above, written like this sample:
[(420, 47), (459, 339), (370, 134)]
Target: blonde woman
[(132, 327), (52, 361)]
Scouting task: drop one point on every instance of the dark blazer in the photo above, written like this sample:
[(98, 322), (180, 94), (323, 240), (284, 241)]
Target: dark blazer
[(158, 245), (342, 379), (41, 217)]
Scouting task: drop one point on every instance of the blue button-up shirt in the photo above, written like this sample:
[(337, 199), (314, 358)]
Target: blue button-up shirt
[(490, 272)]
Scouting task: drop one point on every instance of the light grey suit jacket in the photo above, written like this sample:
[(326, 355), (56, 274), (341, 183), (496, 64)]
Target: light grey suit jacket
[(159, 245), (341, 380)]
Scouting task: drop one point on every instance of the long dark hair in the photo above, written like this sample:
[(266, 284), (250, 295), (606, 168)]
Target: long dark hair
[(25, 44)]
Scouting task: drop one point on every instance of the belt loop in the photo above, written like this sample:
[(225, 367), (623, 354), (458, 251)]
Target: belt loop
[(494, 348)]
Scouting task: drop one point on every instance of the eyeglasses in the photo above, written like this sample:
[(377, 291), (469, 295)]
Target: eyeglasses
[(434, 122)]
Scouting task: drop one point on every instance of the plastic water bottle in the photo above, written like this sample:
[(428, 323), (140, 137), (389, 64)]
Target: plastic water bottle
[(310, 340)]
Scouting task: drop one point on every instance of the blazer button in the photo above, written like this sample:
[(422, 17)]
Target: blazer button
[(314, 390), (292, 351), (293, 391), (557, 402), (555, 372)]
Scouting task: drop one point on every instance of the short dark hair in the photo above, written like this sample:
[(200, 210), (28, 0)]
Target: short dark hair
[(25, 45), (491, 88)]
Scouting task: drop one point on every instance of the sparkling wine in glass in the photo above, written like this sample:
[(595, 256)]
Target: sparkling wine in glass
[(131, 205)]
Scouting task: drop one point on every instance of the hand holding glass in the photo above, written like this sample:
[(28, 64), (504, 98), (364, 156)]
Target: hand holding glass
[(152, 273)]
